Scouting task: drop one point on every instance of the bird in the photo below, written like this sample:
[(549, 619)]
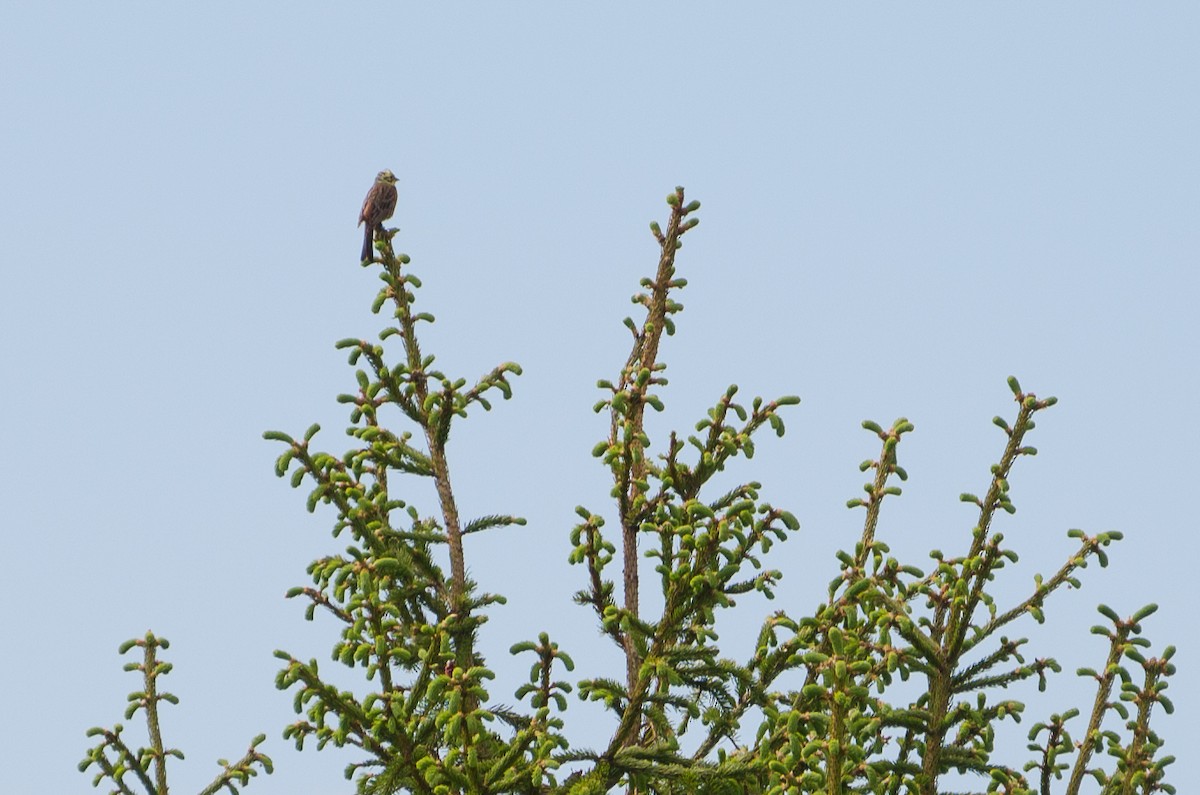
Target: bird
[(377, 208)]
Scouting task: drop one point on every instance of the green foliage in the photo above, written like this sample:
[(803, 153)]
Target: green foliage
[(145, 769), (819, 703)]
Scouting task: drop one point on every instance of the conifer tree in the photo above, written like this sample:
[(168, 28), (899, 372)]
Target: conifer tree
[(812, 707)]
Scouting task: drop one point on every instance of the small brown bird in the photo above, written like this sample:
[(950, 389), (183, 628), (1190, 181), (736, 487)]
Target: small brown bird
[(377, 208)]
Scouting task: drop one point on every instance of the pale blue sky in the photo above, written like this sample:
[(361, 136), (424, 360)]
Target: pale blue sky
[(903, 204)]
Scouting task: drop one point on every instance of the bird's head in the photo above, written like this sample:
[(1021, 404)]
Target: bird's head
[(386, 176)]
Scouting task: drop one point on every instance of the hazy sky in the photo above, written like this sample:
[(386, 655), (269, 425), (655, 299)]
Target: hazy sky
[(903, 205)]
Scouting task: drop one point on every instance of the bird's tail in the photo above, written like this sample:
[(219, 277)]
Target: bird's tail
[(368, 234)]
